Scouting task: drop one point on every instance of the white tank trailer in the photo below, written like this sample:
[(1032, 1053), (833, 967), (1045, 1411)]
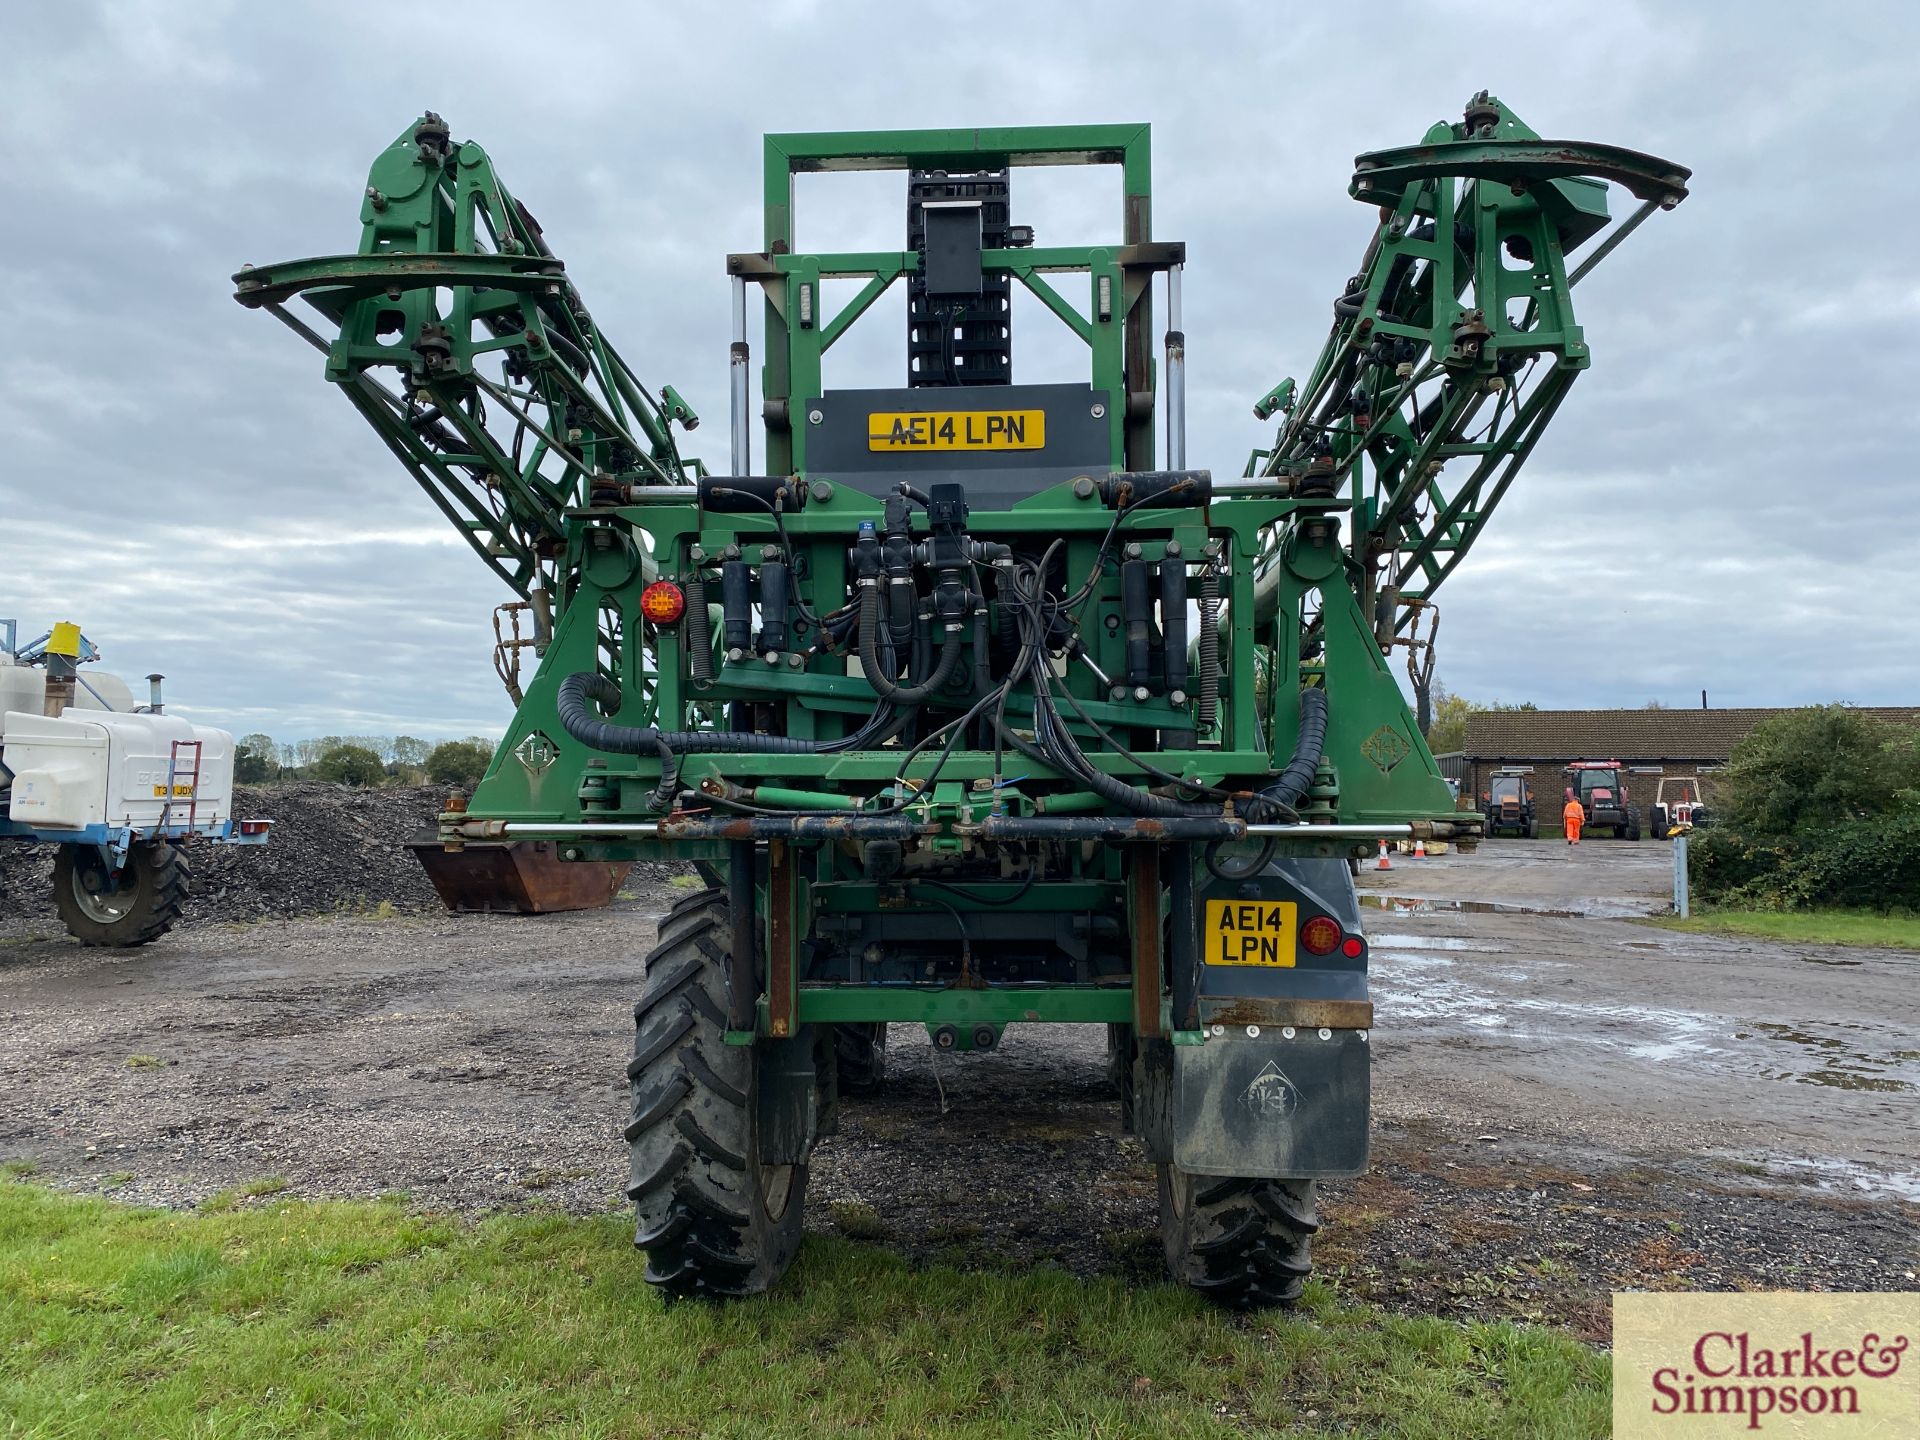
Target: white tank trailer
[(119, 787)]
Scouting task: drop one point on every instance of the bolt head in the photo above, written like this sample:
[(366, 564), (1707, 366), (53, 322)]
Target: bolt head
[(814, 417), (1286, 1032), (1083, 487), (1140, 692)]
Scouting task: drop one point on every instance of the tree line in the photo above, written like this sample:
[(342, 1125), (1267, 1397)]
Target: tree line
[(362, 760)]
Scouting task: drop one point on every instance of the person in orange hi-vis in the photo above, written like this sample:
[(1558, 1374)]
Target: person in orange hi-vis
[(1573, 817)]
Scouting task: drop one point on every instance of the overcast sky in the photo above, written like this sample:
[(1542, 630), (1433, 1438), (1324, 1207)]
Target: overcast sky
[(1727, 500)]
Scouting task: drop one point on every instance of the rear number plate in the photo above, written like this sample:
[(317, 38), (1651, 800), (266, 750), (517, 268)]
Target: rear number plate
[(1249, 932), (934, 430)]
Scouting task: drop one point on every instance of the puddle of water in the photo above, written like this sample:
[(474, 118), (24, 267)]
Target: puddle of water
[(1847, 1177), (1415, 905), (1585, 909), (1425, 986), (1429, 942)]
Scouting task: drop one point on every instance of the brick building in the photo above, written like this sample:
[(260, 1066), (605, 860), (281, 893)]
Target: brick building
[(1649, 743)]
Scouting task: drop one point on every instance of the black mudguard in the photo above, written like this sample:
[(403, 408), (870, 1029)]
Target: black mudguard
[(1279, 1085)]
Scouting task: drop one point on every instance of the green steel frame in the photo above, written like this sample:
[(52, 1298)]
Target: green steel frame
[(566, 477)]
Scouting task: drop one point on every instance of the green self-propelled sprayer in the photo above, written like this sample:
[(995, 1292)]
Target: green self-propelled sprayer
[(973, 702)]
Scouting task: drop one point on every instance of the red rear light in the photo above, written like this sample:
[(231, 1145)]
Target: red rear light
[(1353, 947), (663, 602), (1321, 936)]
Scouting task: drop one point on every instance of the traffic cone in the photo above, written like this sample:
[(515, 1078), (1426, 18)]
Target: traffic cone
[(1419, 849), (1385, 864)]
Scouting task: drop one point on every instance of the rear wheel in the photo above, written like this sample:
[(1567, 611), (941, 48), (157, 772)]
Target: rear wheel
[(131, 905), (1533, 830), (1632, 832), (1243, 1243), (860, 1055), (713, 1218)]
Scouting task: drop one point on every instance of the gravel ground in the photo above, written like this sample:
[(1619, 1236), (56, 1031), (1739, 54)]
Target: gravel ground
[(1522, 1168)]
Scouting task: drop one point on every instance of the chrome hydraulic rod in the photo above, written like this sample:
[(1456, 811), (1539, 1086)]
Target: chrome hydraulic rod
[(737, 376)]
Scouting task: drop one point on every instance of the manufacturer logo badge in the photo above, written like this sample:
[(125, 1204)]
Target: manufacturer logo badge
[(1386, 748), (1271, 1096), (536, 752)]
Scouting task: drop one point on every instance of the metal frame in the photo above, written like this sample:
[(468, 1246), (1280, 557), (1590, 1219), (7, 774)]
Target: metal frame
[(578, 498)]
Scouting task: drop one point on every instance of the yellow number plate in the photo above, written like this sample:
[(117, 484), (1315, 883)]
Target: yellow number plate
[(1249, 932), (919, 432), (180, 792)]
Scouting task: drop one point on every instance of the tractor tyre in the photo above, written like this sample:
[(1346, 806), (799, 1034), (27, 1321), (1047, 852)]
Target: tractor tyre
[(713, 1219), (860, 1056), (1533, 830), (1245, 1244), (122, 908), (1632, 832)]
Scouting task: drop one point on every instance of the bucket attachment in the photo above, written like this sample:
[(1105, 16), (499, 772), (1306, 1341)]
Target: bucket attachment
[(517, 877)]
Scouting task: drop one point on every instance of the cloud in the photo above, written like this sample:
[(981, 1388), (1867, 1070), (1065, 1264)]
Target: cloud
[(1725, 501)]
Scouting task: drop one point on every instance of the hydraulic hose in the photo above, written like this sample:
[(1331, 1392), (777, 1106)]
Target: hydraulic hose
[(876, 673), (699, 629), (578, 720), (1291, 788), (1207, 703)]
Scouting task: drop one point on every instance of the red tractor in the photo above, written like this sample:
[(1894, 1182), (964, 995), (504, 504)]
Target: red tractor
[(1601, 788)]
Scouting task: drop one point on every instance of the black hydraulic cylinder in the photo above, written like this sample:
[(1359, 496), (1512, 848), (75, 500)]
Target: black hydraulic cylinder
[(1173, 619), (774, 575), (743, 985), (1136, 611), (736, 605)]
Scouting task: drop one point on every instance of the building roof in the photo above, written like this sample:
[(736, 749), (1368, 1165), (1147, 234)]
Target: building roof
[(1629, 736)]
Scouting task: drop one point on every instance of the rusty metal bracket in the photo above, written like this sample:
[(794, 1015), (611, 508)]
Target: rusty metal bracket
[(1143, 904), (1271, 1012), (782, 1000)]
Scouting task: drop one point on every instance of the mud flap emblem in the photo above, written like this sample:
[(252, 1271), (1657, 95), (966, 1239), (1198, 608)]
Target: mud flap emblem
[(1271, 1096)]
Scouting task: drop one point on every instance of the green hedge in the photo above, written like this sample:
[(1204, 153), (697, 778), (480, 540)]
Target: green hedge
[(1869, 863)]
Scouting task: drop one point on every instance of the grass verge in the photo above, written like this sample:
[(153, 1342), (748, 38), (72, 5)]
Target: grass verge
[(331, 1318), (1898, 931)]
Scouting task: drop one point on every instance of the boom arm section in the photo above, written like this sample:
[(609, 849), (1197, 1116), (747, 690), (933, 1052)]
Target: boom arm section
[(453, 277), (1452, 347)]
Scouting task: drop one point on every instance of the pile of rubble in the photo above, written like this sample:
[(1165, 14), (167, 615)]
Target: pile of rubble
[(333, 848)]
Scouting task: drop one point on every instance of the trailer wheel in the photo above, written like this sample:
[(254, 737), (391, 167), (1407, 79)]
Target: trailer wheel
[(713, 1219), (1242, 1243), (132, 905), (860, 1054)]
